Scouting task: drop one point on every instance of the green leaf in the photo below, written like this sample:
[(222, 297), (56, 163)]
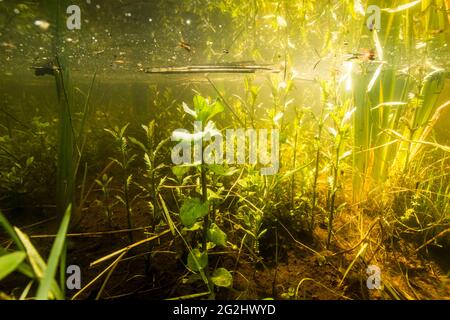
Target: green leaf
[(222, 278), (205, 110), (10, 262), (138, 143), (200, 106), (35, 259), (216, 235), (194, 227), (180, 171), (23, 268), (29, 161), (38, 265), (123, 129), (214, 109), (213, 195), (197, 260), (191, 210), (53, 260), (221, 170)]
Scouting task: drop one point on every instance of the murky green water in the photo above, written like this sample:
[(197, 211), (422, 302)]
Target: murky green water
[(91, 92)]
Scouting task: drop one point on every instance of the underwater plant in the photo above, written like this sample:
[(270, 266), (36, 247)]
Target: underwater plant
[(194, 208), (27, 260), (221, 149), (124, 161)]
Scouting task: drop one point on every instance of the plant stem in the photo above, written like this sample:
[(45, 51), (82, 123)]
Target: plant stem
[(333, 191), (206, 223), (126, 194), (316, 172)]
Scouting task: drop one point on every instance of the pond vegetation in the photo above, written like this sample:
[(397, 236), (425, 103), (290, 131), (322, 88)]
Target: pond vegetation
[(311, 144)]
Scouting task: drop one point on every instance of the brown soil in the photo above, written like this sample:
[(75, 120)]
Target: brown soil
[(295, 272)]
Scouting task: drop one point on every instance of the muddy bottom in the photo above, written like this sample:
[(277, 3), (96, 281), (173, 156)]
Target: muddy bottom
[(297, 267)]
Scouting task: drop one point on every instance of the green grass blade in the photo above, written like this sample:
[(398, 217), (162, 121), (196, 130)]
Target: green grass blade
[(360, 253), (25, 292), (23, 268), (35, 259), (53, 260), (167, 216), (38, 265), (10, 231), (62, 270), (10, 262)]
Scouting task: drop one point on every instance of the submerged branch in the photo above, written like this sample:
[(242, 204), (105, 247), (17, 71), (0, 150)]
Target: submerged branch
[(220, 68)]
